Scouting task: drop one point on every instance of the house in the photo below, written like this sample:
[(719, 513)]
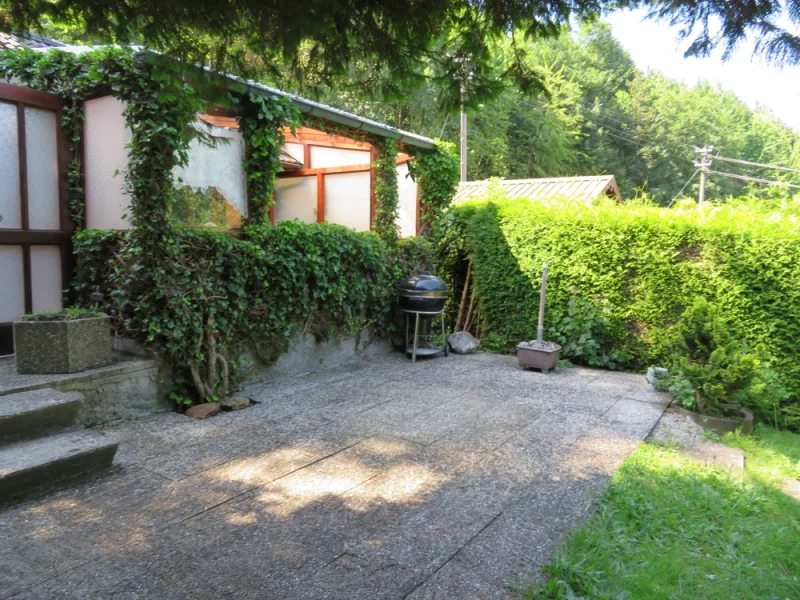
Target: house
[(581, 189), (324, 178)]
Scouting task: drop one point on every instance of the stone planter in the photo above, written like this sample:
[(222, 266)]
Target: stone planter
[(544, 358), (62, 346), (721, 425)]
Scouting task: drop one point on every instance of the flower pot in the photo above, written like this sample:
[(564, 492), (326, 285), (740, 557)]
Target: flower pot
[(62, 346), (544, 357), (721, 424)]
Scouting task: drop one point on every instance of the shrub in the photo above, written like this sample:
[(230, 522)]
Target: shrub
[(587, 331), (649, 264), (220, 293), (711, 367)]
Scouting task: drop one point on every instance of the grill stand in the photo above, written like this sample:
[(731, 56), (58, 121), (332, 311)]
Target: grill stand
[(429, 351)]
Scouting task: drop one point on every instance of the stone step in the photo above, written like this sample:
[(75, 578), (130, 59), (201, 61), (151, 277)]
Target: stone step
[(30, 465), (28, 415)]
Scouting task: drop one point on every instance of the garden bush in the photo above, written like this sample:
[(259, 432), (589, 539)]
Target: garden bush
[(222, 293), (648, 265)]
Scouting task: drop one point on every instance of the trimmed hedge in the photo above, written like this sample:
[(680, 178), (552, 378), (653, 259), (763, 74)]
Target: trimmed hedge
[(649, 264)]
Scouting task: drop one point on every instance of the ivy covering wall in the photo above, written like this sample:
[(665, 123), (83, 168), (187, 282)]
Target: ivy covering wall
[(386, 191), (261, 123), (621, 276), (225, 294), (436, 173), (195, 296)]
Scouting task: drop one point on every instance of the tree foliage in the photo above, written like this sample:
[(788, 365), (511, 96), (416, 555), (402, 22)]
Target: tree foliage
[(601, 115)]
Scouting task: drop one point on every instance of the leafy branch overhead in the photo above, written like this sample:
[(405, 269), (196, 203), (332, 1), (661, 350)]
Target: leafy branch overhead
[(405, 43)]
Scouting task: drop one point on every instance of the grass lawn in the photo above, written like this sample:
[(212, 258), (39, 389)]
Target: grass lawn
[(669, 528)]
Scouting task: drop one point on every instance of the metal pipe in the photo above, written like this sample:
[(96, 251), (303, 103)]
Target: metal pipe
[(540, 328)]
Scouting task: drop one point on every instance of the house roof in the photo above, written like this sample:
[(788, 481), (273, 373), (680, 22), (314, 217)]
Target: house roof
[(288, 162), (15, 41), (584, 189), (304, 105)]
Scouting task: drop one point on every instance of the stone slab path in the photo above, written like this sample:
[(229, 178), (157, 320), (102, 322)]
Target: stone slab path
[(453, 478)]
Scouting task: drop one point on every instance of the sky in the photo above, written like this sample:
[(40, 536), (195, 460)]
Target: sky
[(655, 45)]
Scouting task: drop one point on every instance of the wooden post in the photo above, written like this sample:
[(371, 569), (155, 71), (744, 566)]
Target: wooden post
[(320, 197), (463, 303)]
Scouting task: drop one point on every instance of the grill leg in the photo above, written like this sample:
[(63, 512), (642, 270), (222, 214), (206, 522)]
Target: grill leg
[(416, 337), (405, 346), (444, 337)]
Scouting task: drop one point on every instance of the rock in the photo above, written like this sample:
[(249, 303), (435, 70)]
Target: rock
[(201, 411), (463, 342), (656, 375), (235, 402)]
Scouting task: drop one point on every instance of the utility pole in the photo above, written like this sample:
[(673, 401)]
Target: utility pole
[(463, 145), (703, 163)]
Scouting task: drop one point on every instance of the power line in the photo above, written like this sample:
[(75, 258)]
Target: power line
[(754, 179), (685, 185), (753, 164)]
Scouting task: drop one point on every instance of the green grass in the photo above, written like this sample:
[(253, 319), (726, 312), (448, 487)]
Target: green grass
[(669, 528)]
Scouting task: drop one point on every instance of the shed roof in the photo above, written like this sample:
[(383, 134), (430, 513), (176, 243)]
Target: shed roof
[(584, 189), (14, 41)]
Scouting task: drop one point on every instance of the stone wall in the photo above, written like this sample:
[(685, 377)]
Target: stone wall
[(308, 355)]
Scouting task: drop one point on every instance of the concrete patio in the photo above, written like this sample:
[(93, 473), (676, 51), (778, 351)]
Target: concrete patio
[(451, 478)]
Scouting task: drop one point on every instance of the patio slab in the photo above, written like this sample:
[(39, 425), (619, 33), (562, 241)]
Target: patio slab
[(456, 477)]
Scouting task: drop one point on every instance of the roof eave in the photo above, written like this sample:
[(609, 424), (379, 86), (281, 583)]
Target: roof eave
[(318, 109)]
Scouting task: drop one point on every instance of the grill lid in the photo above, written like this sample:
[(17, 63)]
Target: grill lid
[(422, 284)]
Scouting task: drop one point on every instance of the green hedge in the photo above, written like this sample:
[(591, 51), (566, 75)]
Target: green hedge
[(261, 291), (649, 264)]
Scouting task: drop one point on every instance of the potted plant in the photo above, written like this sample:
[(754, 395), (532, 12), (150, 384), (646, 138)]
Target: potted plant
[(538, 354), (66, 341), (713, 372)]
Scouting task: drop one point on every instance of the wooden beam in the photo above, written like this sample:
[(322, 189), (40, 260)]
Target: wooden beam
[(322, 142), (324, 171), (306, 156), (419, 205), (35, 98), (22, 146), (320, 197)]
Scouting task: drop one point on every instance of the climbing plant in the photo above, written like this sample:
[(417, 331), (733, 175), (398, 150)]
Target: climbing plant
[(193, 297), (384, 222), (261, 122), (159, 109), (436, 174)]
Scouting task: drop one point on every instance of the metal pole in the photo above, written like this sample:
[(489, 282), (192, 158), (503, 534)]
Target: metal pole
[(540, 328), (416, 337), (703, 164), (702, 197), (463, 147)]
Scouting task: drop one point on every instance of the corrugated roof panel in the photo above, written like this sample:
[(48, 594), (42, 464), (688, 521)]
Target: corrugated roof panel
[(584, 189)]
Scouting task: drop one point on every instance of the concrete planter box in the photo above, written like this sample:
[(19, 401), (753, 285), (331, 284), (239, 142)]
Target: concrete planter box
[(544, 360), (721, 425), (66, 346)]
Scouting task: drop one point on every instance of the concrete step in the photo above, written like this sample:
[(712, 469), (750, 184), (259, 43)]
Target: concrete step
[(28, 415), (30, 465)]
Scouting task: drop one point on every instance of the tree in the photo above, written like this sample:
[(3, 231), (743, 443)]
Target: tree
[(404, 42), (407, 42), (713, 23)]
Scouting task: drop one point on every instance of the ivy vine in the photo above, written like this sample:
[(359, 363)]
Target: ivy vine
[(386, 193), (194, 296), (159, 109), (261, 122), (436, 173)]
